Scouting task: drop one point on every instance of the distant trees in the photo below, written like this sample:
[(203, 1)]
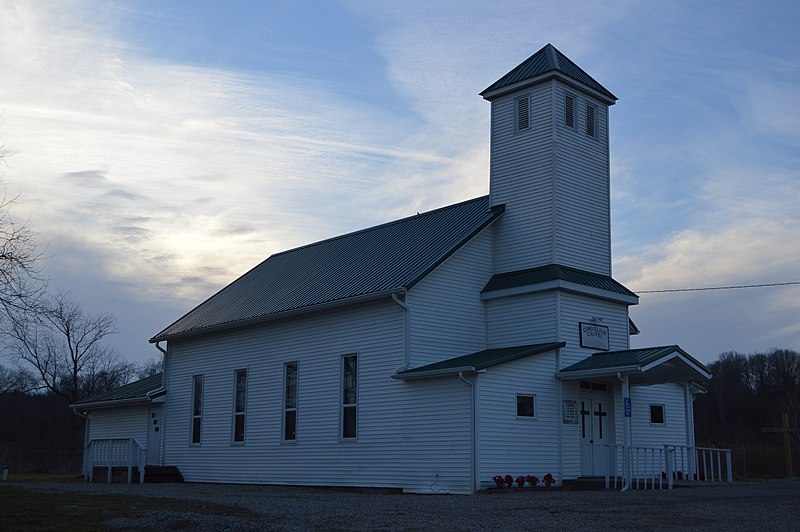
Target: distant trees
[(746, 393), (63, 346)]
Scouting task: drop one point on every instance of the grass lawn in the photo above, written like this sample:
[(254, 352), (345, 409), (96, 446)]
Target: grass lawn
[(26, 509)]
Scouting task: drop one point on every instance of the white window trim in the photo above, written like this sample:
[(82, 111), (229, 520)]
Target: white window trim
[(285, 409), (516, 401), (517, 127), (663, 414), (342, 405), (569, 95), (236, 414), (194, 416), (596, 112)]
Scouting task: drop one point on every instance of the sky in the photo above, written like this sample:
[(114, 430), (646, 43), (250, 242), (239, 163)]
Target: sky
[(162, 149)]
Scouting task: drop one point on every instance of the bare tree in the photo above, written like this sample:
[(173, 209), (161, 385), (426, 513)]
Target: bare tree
[(63, 346), (16, 380), (152, 367)]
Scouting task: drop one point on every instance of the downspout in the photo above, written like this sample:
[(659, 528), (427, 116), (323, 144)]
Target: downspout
[(626, 450), (473, 438), (164, 369), (406, 329), (560, 384)]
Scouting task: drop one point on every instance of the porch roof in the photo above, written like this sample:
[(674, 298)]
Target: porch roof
[(475, 361), (643, 366), (137, 392)]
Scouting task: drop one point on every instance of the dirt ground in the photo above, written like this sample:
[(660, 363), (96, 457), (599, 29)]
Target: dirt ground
[(767, 505)]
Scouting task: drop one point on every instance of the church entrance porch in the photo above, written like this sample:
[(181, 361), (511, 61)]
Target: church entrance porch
[(637, 421)]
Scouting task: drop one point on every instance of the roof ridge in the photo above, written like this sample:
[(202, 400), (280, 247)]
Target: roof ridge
[(379, 226)]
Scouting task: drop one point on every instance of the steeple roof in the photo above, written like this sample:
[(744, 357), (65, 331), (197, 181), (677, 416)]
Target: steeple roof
[(545, 64)]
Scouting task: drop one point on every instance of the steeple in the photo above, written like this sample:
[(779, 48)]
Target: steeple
[(550, 166)]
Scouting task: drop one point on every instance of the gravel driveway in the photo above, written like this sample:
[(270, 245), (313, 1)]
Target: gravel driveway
[(769, 505)]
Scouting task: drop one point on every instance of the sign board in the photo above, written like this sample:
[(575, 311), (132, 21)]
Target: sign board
[(569, 411), (627, 407), (594, 336)]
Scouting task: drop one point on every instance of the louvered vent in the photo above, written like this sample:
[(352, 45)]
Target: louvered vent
[(591, 113), (569, 110), (523, 113)]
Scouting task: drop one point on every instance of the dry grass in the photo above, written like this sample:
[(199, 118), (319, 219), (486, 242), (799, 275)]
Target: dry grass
[(37, 510)]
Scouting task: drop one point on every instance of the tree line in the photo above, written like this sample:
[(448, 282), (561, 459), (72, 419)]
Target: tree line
[(53, 351)]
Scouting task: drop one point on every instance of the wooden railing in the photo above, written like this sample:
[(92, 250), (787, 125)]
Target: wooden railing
[(114, 452), (660, 467)]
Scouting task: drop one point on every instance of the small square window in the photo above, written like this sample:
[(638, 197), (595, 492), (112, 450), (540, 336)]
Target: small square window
[(526, 405), (656, 414)]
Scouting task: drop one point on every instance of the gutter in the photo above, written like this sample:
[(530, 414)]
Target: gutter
[(603, 372), (158, 392), (108, 404), (406, 326), (429, 374)]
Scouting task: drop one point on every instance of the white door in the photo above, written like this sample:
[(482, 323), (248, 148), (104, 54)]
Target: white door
[(595, 435), (154, 436)]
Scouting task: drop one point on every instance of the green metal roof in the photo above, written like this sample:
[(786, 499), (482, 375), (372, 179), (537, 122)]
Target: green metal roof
[(553, 272), (370, 263), (548, 60), (134, 390), (630, 358), (480, 360)]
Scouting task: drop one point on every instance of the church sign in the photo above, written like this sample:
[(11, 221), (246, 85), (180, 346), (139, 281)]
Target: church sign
[(594, 336), (569, 410)]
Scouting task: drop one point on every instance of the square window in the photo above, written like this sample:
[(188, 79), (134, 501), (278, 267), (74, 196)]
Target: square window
[(526, 405), (656, 414)]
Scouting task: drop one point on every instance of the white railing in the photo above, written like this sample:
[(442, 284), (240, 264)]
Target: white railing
[(659, 467), (114, 452)]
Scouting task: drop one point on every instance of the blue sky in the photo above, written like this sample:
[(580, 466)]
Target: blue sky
[(161, 149)]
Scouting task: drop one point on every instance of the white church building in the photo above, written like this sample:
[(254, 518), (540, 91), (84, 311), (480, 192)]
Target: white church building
[(433, 352)]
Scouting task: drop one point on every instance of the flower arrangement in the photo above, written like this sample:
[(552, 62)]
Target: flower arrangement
[(533, 480), (548, 480), (520, 480), (499, 481), (509, 480)]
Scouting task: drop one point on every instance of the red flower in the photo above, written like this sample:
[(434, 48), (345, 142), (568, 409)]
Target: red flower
[(509, 480), (548, 480), (533, 480), (520, 480), (499, 481)]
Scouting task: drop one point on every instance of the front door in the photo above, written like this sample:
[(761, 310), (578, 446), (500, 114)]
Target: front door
[(154, 436), (595, 435)]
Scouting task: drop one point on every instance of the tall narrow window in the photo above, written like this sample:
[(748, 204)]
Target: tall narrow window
[(290, 402), (591, 120), (569, 110), (349, 395), (239, 405), (523, 113), (197, 407)]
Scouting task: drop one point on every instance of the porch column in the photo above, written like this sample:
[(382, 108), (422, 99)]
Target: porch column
[(689, 417), (626, 452)]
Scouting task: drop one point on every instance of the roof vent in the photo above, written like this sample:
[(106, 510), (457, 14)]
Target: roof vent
[(591, 125), (523, 113), (569, 110)]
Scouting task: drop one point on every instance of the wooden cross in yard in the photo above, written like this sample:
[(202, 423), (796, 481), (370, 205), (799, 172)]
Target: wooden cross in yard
[(787, 446)]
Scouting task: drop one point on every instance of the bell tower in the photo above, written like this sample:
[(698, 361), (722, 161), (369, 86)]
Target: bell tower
[(550, 166)]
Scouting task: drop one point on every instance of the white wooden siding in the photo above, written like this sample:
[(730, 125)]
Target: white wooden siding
[(576, 308), (522, 320), (521, 178), (673, 431), (407, 433), (511, 445), (583, 222), (122, 422), (446, 312)]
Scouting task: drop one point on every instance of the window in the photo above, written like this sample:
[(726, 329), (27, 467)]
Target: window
[(656, 414), (349, 395), (239, 404), (523, 113), (526, 405), (290, 401), (591, 120), (600, 386), (569, 110), (197, 408)]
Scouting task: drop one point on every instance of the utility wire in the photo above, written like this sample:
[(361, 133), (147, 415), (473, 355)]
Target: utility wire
[(717, 288)]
